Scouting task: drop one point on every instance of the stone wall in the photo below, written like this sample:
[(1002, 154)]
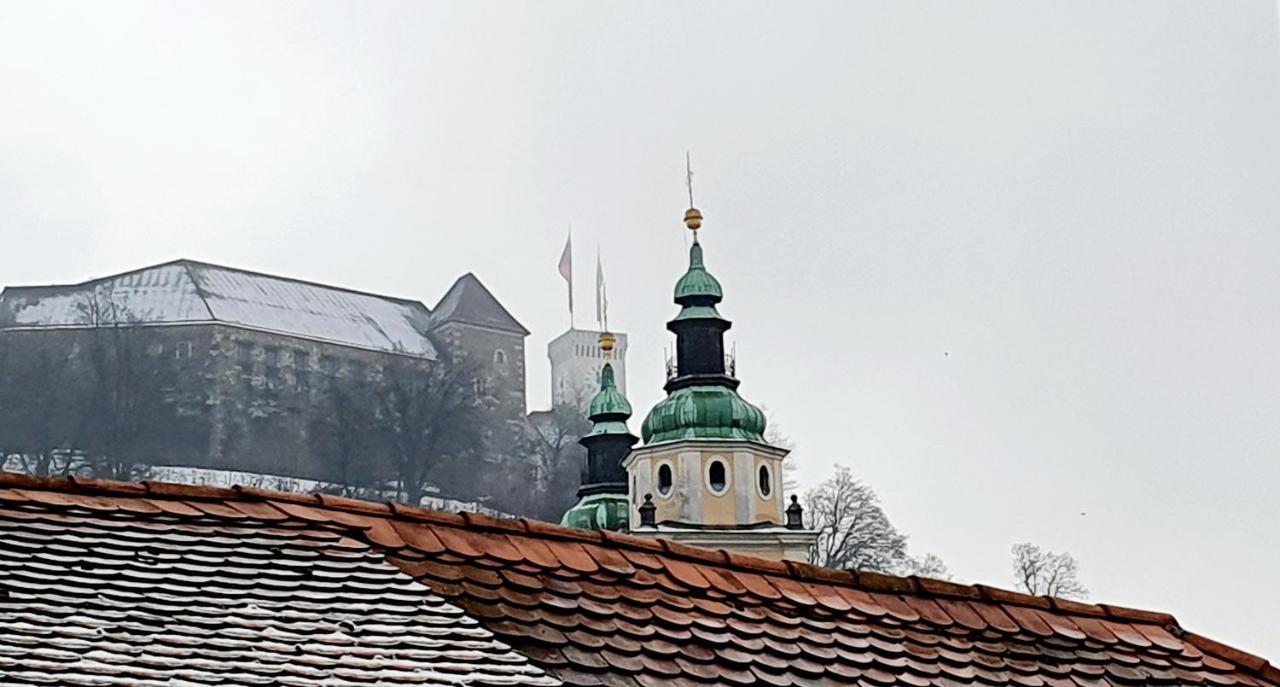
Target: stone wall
[(218, 396)]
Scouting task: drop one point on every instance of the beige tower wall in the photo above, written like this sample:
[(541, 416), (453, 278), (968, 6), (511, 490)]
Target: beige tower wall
[(692, 500)]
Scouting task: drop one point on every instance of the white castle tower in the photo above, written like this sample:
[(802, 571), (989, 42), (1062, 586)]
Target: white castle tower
[(576, 361)]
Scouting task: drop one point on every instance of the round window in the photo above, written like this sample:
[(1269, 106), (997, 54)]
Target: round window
[(717, 478), (664, 479), (766, 486)]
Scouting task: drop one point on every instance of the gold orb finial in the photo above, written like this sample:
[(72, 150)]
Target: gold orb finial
[(607, 341), (693, 219)]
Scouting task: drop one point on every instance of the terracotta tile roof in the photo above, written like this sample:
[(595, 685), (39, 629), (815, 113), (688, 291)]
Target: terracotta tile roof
[(135, 582)]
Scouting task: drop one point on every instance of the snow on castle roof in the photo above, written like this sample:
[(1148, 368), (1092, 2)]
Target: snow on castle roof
[(189, 292)]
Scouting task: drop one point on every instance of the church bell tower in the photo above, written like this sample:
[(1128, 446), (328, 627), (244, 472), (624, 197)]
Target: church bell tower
[(705, 474)]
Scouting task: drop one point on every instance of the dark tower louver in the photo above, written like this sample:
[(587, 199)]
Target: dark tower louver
[(609, 441), (699, 328)]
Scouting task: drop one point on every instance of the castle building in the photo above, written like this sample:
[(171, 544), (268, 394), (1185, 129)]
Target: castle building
[(576, 364), (223, 368), (704, 475)]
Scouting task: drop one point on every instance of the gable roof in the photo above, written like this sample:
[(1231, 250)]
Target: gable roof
[(189, 292), (468, 301), (587, 608)]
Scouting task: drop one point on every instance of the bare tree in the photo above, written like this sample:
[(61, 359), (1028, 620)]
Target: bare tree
[(342, 439), (549, 442), (34, 409), (1040, 572), (429, 414), (853, 530), (929, 565), (774, 436), (124, 394)]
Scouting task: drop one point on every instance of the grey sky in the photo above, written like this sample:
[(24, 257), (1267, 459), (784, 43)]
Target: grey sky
[(1013, 262)]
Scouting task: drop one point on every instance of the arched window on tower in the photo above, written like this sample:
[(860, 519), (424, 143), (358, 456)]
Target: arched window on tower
[(664, 479), (717, 477), (499, 357)]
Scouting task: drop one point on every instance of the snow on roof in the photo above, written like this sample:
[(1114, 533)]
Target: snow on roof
[(192, 600), (188, 292)]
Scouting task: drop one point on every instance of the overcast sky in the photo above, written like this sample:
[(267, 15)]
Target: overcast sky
[(1015, 263)]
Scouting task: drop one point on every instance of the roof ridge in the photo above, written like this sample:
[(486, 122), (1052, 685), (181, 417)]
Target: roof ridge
[(867, 581), (97, 280), (188, 263)]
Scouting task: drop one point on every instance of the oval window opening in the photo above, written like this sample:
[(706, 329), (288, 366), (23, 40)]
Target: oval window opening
[(765, 486), (664, 479), (716, 477)]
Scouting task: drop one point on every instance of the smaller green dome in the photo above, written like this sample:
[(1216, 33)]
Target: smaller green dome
[(697, 281), (608, 401), (703, 412), (599, 512)]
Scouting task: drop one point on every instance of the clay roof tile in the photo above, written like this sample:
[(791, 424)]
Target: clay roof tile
[(612, 609)]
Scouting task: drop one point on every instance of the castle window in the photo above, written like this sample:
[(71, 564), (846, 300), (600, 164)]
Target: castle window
[(301, 369), (664, 479), (272, 361), (717, 477), (765, 481), (244, 355), (182, 350), (499, 357)]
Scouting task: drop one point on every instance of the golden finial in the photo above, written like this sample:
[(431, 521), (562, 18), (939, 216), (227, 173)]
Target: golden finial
[(692, 218), (607, 340)]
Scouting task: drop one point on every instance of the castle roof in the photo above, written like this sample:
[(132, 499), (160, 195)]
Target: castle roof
[(190, 292), (111, 583), (469, 302)]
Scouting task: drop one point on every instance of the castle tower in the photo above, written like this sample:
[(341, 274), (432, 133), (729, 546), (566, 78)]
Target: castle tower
[(602, 499), (705, 475), (576, 364)]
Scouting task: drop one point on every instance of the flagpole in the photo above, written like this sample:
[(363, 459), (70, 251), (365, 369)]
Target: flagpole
[(572, 321)]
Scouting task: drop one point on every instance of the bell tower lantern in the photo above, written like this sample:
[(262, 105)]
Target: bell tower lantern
[(705, 475)]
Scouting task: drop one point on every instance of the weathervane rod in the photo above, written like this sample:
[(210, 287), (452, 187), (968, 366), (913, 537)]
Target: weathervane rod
[(688, 179)]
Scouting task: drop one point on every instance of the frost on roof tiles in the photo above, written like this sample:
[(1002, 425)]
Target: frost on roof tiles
[(100, 600), (587, 608), (188, 292)]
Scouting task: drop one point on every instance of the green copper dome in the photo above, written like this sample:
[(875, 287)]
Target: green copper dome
[(703, 412), (599, 512), (697, 282), (608, 401)]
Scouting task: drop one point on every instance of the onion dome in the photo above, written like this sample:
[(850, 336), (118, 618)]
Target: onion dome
[(609, 409), (599, 512), (704, 412), (697, 282)]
